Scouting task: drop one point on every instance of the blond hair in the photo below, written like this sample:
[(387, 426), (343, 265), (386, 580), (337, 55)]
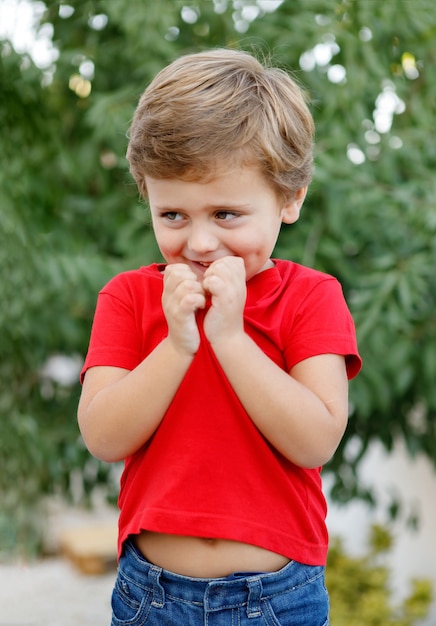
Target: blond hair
[(222, 108)]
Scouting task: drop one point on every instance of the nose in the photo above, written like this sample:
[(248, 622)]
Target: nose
[(201, 239)]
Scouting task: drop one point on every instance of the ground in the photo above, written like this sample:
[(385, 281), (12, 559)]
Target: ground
[(52, 592), (55, 591)]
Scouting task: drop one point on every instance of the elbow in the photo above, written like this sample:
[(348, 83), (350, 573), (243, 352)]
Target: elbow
[(99, 449), (322, 453), (313, 461), (102, 451), (96, 444), (307, 458), (316, 453)]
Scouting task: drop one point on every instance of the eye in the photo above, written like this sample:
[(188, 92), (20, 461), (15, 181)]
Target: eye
[(225, 216), (171, 216)]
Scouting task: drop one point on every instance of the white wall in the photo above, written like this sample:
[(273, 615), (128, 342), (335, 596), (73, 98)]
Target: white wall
[(414, 481)]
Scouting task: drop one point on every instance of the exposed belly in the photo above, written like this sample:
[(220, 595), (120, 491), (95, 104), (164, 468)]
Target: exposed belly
[(206, 558)]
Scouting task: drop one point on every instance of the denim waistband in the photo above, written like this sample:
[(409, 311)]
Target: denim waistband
[(213, 593)]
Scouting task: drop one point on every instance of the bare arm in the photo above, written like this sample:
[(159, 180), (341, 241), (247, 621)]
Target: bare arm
[(120, 409), (303, 413)]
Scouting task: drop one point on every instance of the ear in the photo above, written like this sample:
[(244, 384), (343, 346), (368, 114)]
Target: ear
[(292, 207)]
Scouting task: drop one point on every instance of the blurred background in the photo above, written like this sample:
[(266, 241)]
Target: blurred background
[(71, 74)]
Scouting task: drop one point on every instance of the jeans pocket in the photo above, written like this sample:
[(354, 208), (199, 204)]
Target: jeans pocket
[(305, 603), (281, 614), (130, 603)]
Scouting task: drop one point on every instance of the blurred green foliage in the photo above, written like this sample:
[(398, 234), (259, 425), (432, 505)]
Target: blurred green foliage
[(70, 216), (360, 590)]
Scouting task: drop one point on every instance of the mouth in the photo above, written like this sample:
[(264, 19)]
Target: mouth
[(202, 264)]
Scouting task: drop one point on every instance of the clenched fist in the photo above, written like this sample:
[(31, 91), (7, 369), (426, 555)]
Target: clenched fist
[(225, 280), (183, 294)]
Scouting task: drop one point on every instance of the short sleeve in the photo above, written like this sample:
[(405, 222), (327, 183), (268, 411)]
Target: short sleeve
[(323, 324), (128, 321)]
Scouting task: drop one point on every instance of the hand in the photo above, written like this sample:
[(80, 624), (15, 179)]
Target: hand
[(183, 294), (225, 280)]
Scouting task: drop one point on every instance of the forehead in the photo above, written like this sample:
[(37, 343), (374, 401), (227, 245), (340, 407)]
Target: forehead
[(240, 186)]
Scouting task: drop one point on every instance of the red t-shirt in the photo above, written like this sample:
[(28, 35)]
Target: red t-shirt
[(207, 471)]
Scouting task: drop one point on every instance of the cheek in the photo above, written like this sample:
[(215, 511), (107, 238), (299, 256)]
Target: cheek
[(167, 240), (257, 243)]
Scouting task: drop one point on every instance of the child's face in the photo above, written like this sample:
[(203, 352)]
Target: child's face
[(234, 214)]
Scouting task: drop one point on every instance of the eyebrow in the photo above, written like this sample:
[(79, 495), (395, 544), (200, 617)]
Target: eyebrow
[(215, 207)]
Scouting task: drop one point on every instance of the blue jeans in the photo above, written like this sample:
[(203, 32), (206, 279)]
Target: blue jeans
[(147, 595)]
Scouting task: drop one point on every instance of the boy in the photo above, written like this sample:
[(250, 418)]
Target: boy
[(220, 377)]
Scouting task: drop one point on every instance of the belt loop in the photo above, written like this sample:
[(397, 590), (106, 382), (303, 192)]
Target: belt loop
[(158, 591), (254, 597)]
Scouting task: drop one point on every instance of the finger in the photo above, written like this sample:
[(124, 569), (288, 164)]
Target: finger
[(194, 301), (230, 265), (213, 283), (177, 273)]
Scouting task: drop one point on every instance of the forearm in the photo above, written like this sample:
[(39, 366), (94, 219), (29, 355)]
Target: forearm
[(295, 420), (121, 416)]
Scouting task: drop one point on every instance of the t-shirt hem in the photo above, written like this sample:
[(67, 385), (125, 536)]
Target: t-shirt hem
[(240, 530)]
